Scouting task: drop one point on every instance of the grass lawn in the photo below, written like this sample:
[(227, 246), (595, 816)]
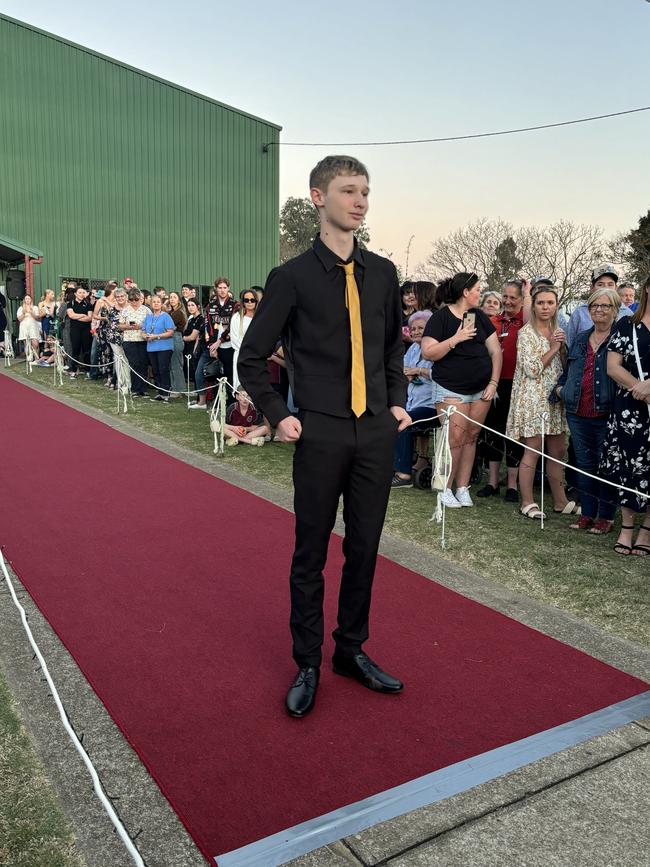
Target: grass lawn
[(33, 830), (573, 571)]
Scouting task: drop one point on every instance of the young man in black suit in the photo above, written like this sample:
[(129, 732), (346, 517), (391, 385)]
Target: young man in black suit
[(337, 308)]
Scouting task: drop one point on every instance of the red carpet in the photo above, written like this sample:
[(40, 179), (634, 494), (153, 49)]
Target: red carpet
[(179, 621)]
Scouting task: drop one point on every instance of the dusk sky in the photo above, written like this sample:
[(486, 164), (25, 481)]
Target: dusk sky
[(341, 72)]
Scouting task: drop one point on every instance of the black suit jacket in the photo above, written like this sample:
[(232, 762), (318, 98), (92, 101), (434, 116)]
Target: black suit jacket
[(304, 304)]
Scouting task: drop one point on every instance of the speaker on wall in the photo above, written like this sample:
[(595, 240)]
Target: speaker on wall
[(15, 284)]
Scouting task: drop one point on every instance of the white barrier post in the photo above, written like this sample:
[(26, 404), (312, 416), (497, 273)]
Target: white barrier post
[(9, 348), (29, 355), (218, 417), (58, 362), (541, 504), (189, 358), (440, 473)]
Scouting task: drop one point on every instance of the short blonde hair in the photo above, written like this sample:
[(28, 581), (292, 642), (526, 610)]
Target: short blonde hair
[(612, 294), (333, 166)]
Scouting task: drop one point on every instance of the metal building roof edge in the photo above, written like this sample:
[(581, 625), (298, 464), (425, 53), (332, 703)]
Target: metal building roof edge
[(19, 247), (135, 69)]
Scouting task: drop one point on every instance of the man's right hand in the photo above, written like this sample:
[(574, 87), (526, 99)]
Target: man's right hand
[(288, 430)]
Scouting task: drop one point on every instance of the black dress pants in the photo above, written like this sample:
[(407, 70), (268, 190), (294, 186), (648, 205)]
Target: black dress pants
[(497, 418), (160, 364), (138, 358), (333, 457), (226, 357), (81, 340)]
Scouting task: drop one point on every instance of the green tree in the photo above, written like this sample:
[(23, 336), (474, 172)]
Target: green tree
[(639, 249), (299, 225), (505, 266)]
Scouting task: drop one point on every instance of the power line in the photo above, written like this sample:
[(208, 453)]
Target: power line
[(455, 137)]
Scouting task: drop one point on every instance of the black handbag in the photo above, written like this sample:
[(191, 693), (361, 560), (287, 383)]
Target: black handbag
[(213, 369)]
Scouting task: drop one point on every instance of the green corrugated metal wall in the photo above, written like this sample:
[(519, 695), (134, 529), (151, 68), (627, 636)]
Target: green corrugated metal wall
[(112, 172)]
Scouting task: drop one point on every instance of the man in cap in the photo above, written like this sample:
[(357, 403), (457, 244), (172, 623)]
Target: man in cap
[(602, 277)]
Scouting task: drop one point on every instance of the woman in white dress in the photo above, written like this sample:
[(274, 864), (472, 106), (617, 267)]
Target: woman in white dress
[(540, 345), (239, 325), (30, 325)]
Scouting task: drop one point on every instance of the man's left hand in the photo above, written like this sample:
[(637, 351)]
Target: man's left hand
[(402, 417)]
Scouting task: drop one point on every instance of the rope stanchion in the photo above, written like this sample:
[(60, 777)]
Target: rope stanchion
[(97, 785), (123, 376), (189, 359), (544, 419), (30, 358), (8, 348), (218, 416), (441, 472), (59, 363)]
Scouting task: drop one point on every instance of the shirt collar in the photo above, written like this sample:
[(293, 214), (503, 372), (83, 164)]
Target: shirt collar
[(329, 259), (503, 317)]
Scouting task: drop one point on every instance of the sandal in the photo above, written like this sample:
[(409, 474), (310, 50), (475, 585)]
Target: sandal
[(571, 508), (532, 511), (625, 550), (602, 527), (644, 548), (583, 523)]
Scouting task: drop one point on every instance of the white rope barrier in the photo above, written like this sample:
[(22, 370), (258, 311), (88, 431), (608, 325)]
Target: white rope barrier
[(169, 391), (97, 785), (558, 461), (453, 409)]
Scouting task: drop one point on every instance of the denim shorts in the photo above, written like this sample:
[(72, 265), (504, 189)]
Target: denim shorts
[(441, 394)]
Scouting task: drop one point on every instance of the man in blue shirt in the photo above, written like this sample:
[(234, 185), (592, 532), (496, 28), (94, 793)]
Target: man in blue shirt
[(602, 277)]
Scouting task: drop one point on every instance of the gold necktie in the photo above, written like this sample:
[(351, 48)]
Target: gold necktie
[(356, 337)]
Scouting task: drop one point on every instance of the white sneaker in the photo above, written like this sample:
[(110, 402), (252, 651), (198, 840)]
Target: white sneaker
[(449, 501), (463, 497), (198, 406)]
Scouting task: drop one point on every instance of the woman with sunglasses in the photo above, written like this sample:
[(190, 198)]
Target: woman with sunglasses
[(239, 325)]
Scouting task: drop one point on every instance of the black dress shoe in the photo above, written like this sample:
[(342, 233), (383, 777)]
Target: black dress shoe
[(488, 491), (512, 496), (302, 692), (367, 672)]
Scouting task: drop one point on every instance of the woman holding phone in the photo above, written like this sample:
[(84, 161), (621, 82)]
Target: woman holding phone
[(461, 342)]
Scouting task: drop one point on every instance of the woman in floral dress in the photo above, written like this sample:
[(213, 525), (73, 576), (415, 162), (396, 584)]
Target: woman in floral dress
[(626, 453), (540, 344)]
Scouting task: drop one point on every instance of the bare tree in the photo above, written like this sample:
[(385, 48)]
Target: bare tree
[(471, 248), (564, 251)]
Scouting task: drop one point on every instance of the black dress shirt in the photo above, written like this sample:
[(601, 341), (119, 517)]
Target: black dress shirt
[(304, 303)]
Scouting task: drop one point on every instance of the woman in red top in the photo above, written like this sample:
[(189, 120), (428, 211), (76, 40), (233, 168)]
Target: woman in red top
[(588, 393), (507, 324)]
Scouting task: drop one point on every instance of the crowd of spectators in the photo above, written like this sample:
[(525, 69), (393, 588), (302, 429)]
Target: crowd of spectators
[(511, 361)]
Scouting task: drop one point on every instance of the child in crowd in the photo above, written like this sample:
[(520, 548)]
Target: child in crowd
[(244, 423)]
